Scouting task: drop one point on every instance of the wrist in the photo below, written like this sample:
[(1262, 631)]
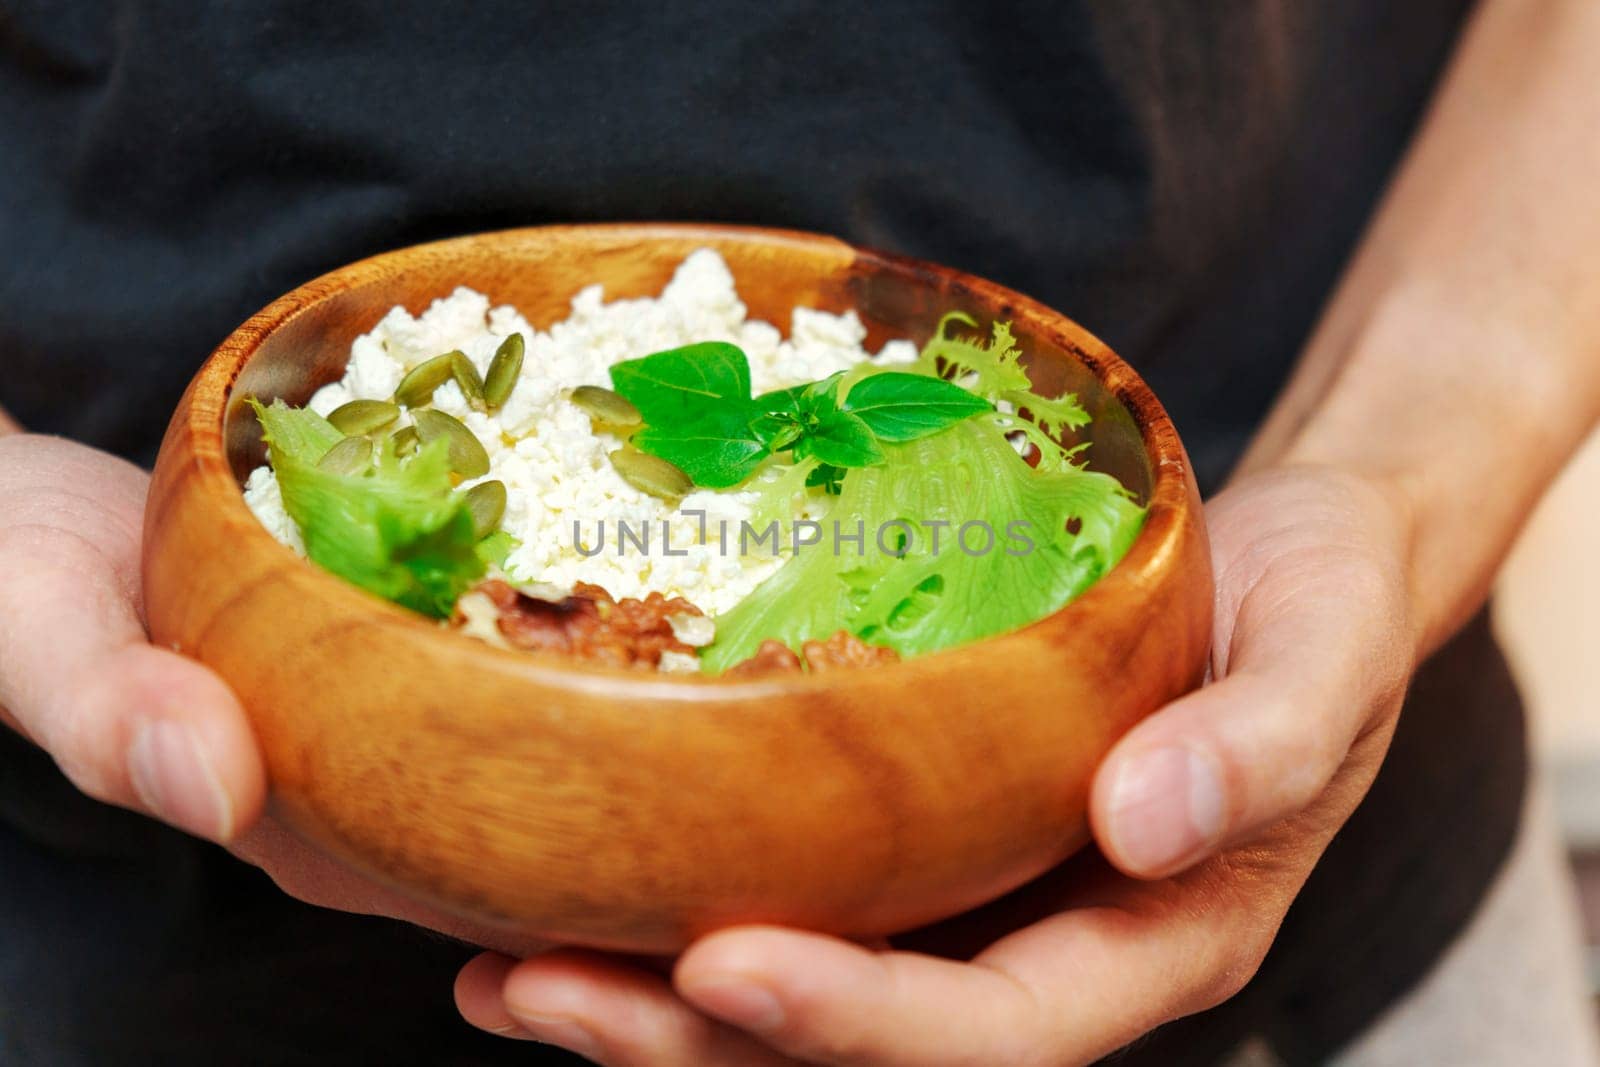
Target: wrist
[(1457, 420)]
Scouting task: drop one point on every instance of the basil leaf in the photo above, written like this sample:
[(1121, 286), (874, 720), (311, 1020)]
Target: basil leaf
[(841, 440), (717, 450), (813, 398), (822, 398), (901, 407), (781, 401), (683, 384), (777, 431)]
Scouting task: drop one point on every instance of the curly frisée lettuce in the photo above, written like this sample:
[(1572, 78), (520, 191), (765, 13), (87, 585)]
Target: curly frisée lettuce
[(397, 528), (959, 537)]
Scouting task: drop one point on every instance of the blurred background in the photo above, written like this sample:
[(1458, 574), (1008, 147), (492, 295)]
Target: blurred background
[(1547, 613)]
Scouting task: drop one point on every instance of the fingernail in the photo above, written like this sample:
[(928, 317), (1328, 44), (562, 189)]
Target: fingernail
[(1166, 805), (738, 1001), (175, 780), (561, 1030)]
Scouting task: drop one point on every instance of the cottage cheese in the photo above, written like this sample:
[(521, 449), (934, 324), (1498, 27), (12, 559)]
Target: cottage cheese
[(560, 484)]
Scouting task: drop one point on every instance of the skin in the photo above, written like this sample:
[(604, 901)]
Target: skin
[(1452, 375)]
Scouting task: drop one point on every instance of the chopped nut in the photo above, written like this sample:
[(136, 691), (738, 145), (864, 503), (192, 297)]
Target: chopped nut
[(773, 657), (589, 624), (477, 615), (845, 650), (678, 663)]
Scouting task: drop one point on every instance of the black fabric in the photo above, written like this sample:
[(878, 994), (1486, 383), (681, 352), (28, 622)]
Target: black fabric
[(1185, 179)]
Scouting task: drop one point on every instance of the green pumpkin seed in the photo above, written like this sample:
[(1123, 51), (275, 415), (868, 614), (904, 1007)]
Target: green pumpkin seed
[(363, 416), (651, 474), (416, 388), (487, 502), (504, 370), (406, 441), (466, 376), (606, 407), (351, 456), (467, 456)]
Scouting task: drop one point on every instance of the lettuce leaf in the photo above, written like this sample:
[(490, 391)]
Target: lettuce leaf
[(1034, 538), (1054, 534), (400, 530)]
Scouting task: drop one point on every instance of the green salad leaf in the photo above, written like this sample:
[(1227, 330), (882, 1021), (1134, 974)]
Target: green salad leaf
[(995, 371), (398, 529), (1041, 538), (959, 537)]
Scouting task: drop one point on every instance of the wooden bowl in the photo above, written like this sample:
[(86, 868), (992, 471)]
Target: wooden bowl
[(633, 812)]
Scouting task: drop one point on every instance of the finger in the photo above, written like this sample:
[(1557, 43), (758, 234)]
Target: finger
[(621, 1016), (1068, 990), (1311, 655), (479, 997), (128, 723)]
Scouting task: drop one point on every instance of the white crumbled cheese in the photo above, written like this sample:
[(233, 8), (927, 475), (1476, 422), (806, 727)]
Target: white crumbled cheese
[(261, 493), (555, 467)]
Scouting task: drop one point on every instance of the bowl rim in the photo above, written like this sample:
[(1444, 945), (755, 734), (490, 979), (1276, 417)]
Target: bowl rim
[(1169, 505)]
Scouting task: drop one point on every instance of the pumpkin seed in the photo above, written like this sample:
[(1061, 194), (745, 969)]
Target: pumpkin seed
[(606, 407), (487, 502), (466, 376), (363, 416), (504, 370), (406, 441), (417, 387), (467, 456), (351, 456), (651, 474)]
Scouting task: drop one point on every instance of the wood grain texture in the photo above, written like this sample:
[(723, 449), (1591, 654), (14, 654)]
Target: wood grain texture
[(632, 812)]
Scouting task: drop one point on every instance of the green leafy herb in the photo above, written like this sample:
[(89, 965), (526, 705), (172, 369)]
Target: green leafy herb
[(701, 418), (718, 450), (899, 407), (682, 384), (840, 439)]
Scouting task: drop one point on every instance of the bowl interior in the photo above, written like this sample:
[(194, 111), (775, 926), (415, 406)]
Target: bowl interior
[(534, 794), (539, 272)]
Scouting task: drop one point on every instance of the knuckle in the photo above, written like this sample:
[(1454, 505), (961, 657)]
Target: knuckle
[(1232, 968)]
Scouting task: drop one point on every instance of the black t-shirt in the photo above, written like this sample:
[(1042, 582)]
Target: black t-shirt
[(1185, 179)]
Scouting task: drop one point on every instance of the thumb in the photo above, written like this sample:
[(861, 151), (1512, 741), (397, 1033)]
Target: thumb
[(127, 723), (1313, 656)]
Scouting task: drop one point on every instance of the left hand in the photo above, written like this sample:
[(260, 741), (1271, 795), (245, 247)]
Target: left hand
[(1217, 806)]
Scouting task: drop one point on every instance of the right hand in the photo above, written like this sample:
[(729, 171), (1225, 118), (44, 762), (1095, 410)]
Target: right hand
[(129, 723)]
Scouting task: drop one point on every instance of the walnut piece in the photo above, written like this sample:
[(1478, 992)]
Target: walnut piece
[(843, 651), (773, 657), (589, 624)]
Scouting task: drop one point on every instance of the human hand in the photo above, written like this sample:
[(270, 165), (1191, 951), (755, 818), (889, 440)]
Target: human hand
[(129, 723), (1217, 806)]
